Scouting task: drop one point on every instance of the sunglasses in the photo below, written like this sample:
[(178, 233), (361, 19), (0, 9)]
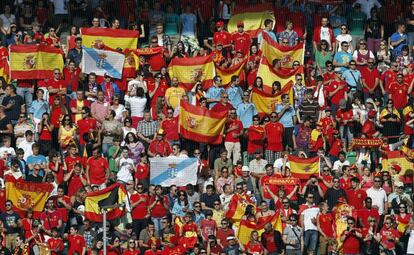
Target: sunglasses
[(224, 97), (350, 223)]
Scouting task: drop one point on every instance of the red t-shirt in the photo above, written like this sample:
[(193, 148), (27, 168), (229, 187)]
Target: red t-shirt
[(389, 76), (51, 219), (369, 76), (71, 161), (63, 211), (274, 134), (84, 125), (356, 198), (327, 178), (170, 127), (141, 172), (229, 135), (364, 213), (223, 234), (56, 84), (76, 244), (241, 42), (160, 92), (336, 147), (59, 172), (75, 184), (386, 234), (399, 93), (335, 99), (208, 227), (139, 212), (222, 37), (156, 61), (351, 244), (72, 78), (256, 135), (270, 242), (162, 148), (342, 115), (158, 211), (97, 170), (368, 129), (219, 107), (134, 252), (55, 243), (256, 247), (326, 221)]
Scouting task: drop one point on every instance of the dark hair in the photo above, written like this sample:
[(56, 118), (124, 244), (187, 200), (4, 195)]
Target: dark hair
[(127, 138), (267, 22)]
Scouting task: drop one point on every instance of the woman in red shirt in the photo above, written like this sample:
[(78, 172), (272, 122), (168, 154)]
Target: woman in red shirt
[(131, 248), (325, 223), (402, 218), (158, 206), (256, 136), (254, 246), (45, 128), (142, 172)]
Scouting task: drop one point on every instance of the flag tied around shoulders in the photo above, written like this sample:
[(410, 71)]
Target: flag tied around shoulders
[(286, 54), (265, 102), (237, 208), (25, 195), (102, 61), (247, 227), (188, 71), (269, 75), (113, 38), (201, 124), (114, 194), (253, 20), (131, 64), (34, 61), (227, 73), (173, 170), (303, 168), (189, 239)]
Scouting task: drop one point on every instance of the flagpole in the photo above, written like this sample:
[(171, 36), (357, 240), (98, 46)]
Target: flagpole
[(104, 208)]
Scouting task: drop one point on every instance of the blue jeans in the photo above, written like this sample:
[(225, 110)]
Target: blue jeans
[(105, 148), (311, 240), (26, 94), (157, 224)]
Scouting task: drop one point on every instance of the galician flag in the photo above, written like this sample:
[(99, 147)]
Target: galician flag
[(173, 170), (102, 61)]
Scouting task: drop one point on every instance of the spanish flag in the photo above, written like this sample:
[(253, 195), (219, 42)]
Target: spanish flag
[(303, 168), (190, 70), (247, 227), (287, 54), (265, 102), (397, 158), (25, 195), (131, 64), (34, 61), (200, 124), (237, 208), (253, 21), (227, 73), (269, 75), (113, 38), (114, 194)]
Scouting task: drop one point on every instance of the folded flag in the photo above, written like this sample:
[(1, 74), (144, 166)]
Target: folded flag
[(270, 75), (113, 38), (227, 73), (25, 195), (188, 71), (237, 208), (34, 61), (173, 170), (247, 227), (265, 102), (253, 21), (287, 54), (201, 124), (102, 61), (303, 168), (131, 64), (114, 194)]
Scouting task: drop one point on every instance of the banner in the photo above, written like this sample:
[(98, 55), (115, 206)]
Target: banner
[(25, 195), (114, 194), (367, 142), (113, 38), (303, 168), (246, 227), (148, 51), (102, 61), (173, 170), (265, 102), (201, 124), (237, 208), (253, 21), (188, 71), (34, 61), (274, 182), (287, 54), (227, 73), (269, 75)]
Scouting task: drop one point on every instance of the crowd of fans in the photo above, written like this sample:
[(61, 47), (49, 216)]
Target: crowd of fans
[(357, 83)]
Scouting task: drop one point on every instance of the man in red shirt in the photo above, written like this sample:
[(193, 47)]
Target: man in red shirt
[(170, 126), (350, 238), (75, 179), (159, 146), (369, 126), (367, 211), (223, 104), (97, 169), (241, 40), (77, 244), (389, 76), (337, 90), (221, 36), (51, 218), (370, 79), (77, 104), (55, 243), (139, 206), (56, 86), (355, 196), (71, 77), (274, 131), (85, 125), (399, 91), (233, 131), (329, 75)]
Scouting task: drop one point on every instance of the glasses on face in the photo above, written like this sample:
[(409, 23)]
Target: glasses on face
[(362, 43), (218, 80), (224, 223), (131, 242), (238, 188), (285, 202), (377, 180), (402, 207), (352, 64), (285, 42), (371, 221), (293, 220), (170, 112), (22, 116), (273, 116), (246, 95), (387, 223), (203, 102), (350, 223), (216, 204), (323, 44), (140, 188), (343, 28), (8, 204), (56, 73), (345, 46), (381, 44), (224, 97), (197, 206)]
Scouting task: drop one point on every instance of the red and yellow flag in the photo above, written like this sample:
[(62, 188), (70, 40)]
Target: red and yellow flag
[(265, 102), (227, 73), (114, 194), (34, 61), (397, 158), (253, 17), (237, 208), (131, 64), (113, 38), (246, 227), (269, 75), (200, 124), (303, 168), (190, 70), (25, 195), (287, 54)]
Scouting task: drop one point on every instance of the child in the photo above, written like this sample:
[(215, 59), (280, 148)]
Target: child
[(125, 165), (6, 151)]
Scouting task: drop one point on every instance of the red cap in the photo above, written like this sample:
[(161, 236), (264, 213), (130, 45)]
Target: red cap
[(240, 24), (372, 113), (220, 23), (396, 167)]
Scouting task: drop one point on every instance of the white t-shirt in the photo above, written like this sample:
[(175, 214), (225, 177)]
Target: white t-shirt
[(308, 215), (124, 173), (7, 20), (326, 35), (279, 163), (60, 6), (137, 105), (379, 197), (344, 38), (338, 165), (27, 147)]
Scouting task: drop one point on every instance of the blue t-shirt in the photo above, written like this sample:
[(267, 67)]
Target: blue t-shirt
[(342, 58), (269, 33), (287, 117), (214, 93), (235, 95), (245, 112), (396, 37), (188, 20), (347, 74), (39, 159)]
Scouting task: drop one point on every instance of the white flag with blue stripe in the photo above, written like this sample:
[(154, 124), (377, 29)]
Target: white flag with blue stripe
[(102, 61), (173, 170)]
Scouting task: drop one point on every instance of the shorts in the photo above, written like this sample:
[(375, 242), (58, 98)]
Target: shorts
[(190, 43)]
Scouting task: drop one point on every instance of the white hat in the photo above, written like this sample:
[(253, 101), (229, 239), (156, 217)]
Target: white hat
[(399, 184), (245, 169), (230, 238)]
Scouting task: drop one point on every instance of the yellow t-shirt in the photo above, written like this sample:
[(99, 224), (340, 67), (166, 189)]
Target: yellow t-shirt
[(174, 95)]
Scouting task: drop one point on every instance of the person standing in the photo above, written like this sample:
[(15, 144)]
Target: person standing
[(97, 169)]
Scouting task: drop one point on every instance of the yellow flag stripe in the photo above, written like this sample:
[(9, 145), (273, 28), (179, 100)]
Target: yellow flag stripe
[(112, 42), (43, 61), (251, 20), (189, 74), (202, 124)]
